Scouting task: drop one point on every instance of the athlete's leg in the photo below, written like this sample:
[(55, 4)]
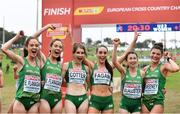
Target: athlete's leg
[(34, 108), (93, 110), (123, 111), (69, 107), (94, 105), (10, 109), (83, 108), (44, 106), (136, 113), (0, 105), (144, 109), (109, 111), (158, 109), (18, 107), (57, 108)]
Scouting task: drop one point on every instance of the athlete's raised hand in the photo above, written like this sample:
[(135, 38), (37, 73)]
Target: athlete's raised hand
[(116, 42), (136, 34)]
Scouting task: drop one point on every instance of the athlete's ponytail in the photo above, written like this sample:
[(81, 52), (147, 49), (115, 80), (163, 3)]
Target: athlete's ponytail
[(109, 68)]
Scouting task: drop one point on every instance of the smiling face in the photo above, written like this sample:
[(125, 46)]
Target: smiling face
[(79, 54), (155, 55), (56, 48), (101, 54), (132, 60), (32, 47)]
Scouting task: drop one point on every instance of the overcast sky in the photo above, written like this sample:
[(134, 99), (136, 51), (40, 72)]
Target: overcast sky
[(18, 15), (21, 15)]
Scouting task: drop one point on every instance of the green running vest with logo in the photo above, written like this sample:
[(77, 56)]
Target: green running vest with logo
[(51, 74), (132, 86), (154, 84), (77, 76), (29, 81)]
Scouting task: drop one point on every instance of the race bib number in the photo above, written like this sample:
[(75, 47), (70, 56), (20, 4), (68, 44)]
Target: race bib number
[(77, 76), (132, 90), (53, 82), (151, 86), (102, 77), (32, 84)]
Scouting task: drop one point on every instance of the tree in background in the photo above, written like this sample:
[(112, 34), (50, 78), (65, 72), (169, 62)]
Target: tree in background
[(97, 42), (9, 35), (108, 40), (88, 41)]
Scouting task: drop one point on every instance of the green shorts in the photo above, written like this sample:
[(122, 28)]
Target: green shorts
[(152, 102), (131, 105), (51, 98), (26, 101), (76, 100), (101, 103)]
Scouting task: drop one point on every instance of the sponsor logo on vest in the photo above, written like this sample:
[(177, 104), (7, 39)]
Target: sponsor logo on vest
[(80, 99), (55, 100), (31, 102), (111, 105)]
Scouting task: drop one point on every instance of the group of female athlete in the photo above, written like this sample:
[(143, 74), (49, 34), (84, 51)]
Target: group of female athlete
[(40, 78)]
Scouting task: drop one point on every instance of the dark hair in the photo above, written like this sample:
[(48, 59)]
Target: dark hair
[(158, 46), (131, 52), (79, 45), (100, 47), (107, 65), (52, 42), (25, 52)]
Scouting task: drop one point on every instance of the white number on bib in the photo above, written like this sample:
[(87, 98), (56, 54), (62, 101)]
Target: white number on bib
[(132, 90), (77, 76), (102, 77), (53, 82), (151, 86), (32, 84)]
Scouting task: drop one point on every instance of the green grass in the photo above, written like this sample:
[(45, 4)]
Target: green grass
[(172, 101), (8, 90)]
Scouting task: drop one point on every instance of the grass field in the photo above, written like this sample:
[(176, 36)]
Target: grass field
[(172, 102)]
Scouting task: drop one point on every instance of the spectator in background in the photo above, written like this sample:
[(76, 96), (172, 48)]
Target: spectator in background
[(7, 68), (16, 76), (1, 85)]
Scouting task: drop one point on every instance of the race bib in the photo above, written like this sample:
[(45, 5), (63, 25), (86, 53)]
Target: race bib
[(132, 90), (53, 82), (77, 76), (102, 77), (32, 84), (151, 86)]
